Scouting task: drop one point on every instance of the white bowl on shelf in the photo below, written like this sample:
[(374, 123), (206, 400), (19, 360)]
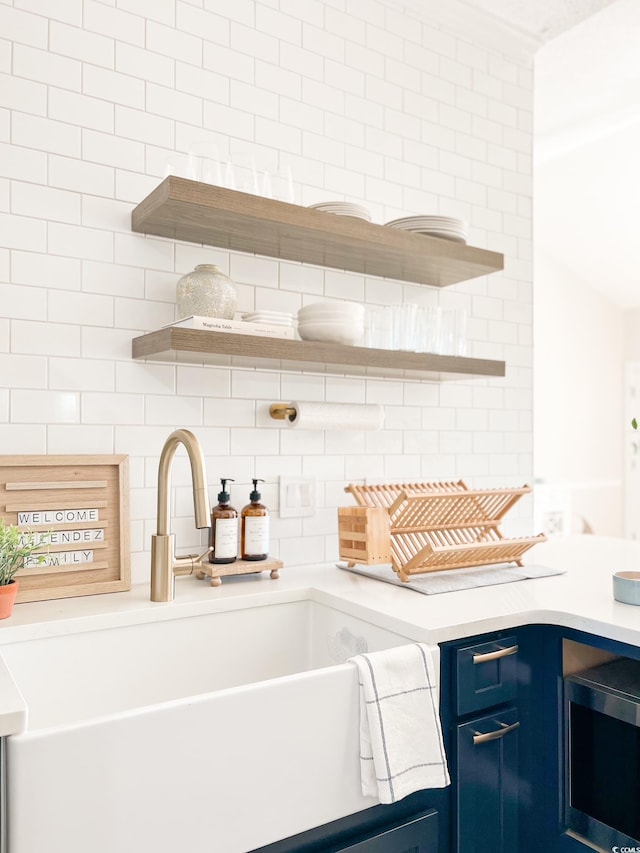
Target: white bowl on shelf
[(334, 332), (326, 311)]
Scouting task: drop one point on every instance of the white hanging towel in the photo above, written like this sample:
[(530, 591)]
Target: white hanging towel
[(401, 747)]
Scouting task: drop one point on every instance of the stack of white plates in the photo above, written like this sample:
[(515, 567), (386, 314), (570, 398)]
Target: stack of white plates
[(274, 318), (446, 227), (333, 322), (343, 208)]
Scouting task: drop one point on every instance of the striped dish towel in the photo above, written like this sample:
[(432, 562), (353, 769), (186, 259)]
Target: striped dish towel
[(401, 748)]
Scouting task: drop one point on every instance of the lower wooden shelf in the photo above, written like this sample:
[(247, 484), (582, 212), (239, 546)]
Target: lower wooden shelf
[(205, 347)]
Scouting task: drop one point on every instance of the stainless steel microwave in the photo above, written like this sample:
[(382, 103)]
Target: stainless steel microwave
[(602, 754)]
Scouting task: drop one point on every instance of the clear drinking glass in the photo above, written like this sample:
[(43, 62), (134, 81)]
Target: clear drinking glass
[(203, 163)]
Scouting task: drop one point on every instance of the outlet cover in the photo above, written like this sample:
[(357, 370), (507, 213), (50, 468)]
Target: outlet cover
[(297, 497)]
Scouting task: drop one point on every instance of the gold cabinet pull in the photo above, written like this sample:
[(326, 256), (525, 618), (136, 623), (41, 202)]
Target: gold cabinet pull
[(499, 653), (479, 737)]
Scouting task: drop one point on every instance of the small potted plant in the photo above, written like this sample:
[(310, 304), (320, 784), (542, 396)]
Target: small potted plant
[(16, 547)]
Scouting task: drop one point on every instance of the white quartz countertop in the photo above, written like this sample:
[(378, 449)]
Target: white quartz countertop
[(581, 598)]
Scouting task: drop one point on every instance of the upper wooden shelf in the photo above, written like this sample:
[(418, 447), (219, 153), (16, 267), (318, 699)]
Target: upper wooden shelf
[(204, 347), (203, 213)]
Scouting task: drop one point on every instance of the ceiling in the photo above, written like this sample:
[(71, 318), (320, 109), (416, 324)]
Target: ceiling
[(543, 19)]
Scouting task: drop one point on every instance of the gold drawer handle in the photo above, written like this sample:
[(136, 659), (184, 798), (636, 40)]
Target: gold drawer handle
[(500, 653), (478, 737)]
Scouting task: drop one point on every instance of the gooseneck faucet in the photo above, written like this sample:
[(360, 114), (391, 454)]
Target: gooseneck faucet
[(164, 564)]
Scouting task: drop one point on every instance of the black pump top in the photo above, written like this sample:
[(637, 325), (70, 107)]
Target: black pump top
[(223, 496), (255, 495)]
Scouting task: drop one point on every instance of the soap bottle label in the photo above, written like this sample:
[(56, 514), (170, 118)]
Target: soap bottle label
[(226, 538), (256, 535)]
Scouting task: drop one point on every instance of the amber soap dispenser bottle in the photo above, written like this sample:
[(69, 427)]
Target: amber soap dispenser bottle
[(224, 529), (255, 527)]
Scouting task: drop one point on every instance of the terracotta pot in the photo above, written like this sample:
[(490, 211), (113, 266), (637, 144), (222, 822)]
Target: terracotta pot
[(8, 594)]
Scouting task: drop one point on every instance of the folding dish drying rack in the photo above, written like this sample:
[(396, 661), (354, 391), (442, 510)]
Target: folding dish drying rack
[(429, 527)]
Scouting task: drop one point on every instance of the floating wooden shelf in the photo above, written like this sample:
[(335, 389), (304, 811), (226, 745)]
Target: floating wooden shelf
[(196, 345), (202, 213)]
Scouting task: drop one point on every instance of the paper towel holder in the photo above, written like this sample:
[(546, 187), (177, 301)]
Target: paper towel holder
[(282, 411)]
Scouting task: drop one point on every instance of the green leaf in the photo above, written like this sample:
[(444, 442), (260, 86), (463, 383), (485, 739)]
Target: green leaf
[(634, 423)]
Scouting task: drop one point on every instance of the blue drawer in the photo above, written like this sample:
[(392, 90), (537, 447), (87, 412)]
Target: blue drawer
[(486, 674)]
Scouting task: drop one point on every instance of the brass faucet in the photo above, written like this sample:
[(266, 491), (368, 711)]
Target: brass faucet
[(164, 564)]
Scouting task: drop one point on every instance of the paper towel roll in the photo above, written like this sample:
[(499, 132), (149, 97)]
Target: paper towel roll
[(338, 416)]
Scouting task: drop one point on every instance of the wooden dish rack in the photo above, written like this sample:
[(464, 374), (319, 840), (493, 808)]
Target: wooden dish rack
[(429, 527)]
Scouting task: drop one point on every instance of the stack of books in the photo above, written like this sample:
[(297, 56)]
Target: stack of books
[(236, 327)]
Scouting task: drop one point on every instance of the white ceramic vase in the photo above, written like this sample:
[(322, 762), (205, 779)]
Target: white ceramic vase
[(206, 292)]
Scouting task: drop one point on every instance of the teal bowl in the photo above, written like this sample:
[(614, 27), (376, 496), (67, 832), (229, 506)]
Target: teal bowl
[(626, 587)]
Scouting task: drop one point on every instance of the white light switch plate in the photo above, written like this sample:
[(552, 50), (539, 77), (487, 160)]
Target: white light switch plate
[(297, 497)]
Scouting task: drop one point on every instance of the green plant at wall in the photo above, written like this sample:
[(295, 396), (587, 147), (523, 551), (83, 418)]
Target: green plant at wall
[(16, 547)]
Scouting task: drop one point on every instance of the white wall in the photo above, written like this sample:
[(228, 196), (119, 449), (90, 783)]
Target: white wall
[(578, 394), (406, 115)]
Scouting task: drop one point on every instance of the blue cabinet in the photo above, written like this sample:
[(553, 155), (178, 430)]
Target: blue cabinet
[(485, 674), (419, 835), (479, 685), (412, 825), (486, 788)]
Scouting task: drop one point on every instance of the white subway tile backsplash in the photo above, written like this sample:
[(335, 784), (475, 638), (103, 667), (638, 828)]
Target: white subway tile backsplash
[(15, 92), (256, 385), (227, 412), (159, 409), (115, 408), (364, 101), (73, 438), (202, 83), (23, 163), (45, 270), (82, 308), (28, 303), (23, 438), (301, 387), (113, 86), (122, 25), (279, 25), (73, 41), (38, 338), (277, 135), (5, 125), (254, 442), (140, 63), (163, 101), (80, 374), (162, 10), (110, 150), (363, 468), (23, 27), (139, 251), (253, 270), (138, 314), (45, 202), (79, 109), (46, 67), (44, 134), (202, 23), (33, 407), (23, 232), (30, 370)]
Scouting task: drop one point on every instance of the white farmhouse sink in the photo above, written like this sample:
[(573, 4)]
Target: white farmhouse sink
[(221, 732)]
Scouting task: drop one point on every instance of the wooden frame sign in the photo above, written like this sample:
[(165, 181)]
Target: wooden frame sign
[(80, 507)]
